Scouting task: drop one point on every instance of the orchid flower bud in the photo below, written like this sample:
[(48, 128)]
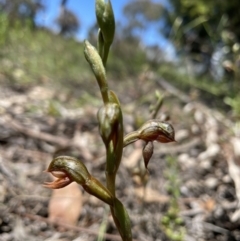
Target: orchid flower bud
[(68, 169), (106, 23), (108, 117), (105, 19), (95, 62)]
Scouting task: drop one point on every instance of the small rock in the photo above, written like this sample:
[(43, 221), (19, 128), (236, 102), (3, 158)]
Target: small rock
[(205, 164), (199, 117), (227, 179), (235, 216), (181, 135), (188, 107), (218, 212), (184, 191), (212, 136), (183, 157), (186, 161), (211, 182), (195, 129), (211, 151)]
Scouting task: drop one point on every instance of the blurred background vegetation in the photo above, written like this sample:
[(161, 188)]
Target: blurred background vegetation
[(205, 36)]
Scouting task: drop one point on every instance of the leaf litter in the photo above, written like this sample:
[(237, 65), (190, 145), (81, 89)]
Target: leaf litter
[(206, 152)]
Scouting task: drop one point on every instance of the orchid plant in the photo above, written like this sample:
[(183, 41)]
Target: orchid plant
[(69, 169)]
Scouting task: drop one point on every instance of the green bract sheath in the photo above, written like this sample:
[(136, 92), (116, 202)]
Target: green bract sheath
[(122, 220)]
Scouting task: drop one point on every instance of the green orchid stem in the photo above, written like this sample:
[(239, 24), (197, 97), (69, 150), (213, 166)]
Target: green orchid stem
[(110, 179), (114, 148), (111, 169), (130, 138), (113, 161)]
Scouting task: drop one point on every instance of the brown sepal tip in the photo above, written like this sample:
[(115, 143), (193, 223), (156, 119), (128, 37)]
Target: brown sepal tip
[(62, 180)]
